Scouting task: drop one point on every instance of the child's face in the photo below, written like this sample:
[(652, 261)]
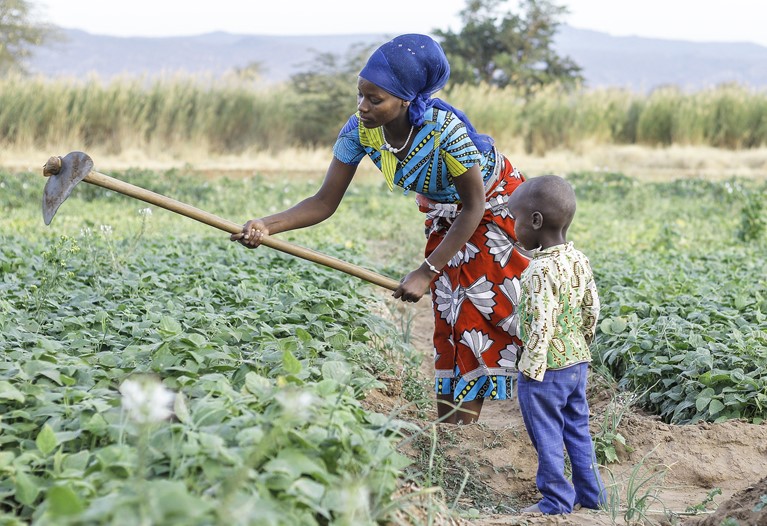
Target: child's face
[(520, 211)]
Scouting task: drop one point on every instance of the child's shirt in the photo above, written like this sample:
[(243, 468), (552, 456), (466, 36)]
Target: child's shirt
[(559, 308)]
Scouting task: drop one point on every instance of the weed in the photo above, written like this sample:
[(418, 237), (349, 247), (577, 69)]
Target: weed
[(752, 218), (703, 505), (608, 436), (641, 490)]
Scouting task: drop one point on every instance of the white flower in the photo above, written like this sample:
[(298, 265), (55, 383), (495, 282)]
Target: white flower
[(297, 404), (106, 230), (355, 502), (145, 212), (146, 400)]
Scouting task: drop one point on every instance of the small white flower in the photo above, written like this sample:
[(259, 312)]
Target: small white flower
[(146, 400), (304, 401), (297, 404), (145, 212), (86, 232), (106, 230), (355, 501)]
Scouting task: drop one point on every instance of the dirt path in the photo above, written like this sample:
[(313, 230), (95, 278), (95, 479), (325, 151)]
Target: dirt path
[(680, 466)]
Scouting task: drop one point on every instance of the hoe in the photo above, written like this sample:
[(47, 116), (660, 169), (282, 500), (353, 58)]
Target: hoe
[(65, 172)]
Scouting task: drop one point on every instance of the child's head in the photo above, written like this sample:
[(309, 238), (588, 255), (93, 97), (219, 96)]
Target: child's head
[(543, 208)]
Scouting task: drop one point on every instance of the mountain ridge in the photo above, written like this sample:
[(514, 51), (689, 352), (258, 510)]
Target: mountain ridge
[(631, 62)]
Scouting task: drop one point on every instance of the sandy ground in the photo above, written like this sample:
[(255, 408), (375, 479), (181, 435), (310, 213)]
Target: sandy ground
[(684, 463)]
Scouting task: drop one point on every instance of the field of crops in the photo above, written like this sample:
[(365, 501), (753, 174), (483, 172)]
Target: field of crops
[(264, 359)]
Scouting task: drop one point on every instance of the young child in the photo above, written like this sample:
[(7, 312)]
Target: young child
[(559, 308)]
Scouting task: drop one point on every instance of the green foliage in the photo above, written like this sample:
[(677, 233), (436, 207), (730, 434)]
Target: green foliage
[(508, 49), (608, 438), (752, 218), (326, 92), (684, 309), (269, 357)]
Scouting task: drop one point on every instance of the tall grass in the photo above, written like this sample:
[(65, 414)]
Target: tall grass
[(229, 116)]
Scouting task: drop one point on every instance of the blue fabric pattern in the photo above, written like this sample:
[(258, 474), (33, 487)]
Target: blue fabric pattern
[(441, 151), (492, 387)]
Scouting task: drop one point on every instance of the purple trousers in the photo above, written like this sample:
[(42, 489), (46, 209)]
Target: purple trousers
[(556, 415)]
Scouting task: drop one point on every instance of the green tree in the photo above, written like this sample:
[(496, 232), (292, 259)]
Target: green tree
[(506, 48), (19, 34), (326, 93)]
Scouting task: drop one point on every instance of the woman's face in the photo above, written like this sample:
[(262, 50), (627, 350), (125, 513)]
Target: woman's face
[(377, 106)]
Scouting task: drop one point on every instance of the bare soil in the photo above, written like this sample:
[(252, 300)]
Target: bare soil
[(681, 466)]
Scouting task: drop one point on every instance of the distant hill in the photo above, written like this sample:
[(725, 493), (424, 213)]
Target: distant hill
[(636, 63), (646, 63)]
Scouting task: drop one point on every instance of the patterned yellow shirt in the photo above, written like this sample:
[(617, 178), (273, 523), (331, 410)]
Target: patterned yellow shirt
[(559, 308)]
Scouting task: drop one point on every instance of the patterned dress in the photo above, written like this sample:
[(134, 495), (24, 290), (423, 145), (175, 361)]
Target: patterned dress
[(475, 296)]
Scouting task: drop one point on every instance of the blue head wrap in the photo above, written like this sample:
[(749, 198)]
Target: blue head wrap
[(413, 67)]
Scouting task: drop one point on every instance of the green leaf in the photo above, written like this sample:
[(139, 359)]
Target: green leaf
[(170, 326), (294, 463), (703, 399), (27, 489), (9, 392), (6, 457), (290, 363), (314, 491), (715, 406), (180, 408), (303, 335), (46, 440), (610, 455), (335, 370), (63, 502), (257, 384), (194, 339)]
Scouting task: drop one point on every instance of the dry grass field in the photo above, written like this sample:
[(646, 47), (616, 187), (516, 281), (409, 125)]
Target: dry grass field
[(643, 163)]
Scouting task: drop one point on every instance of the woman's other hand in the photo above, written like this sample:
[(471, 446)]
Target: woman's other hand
[(414, 285), (252, 233)]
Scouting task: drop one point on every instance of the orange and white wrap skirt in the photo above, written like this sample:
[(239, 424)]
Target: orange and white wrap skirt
[(475, 296)]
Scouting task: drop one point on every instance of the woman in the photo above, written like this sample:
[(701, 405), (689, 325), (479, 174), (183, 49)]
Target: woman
[(462, 183)]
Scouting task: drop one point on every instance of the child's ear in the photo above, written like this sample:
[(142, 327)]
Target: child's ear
[(537, 218)]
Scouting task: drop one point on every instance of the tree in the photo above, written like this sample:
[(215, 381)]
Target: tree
[(507, 48), (19, 34), (327, 93)]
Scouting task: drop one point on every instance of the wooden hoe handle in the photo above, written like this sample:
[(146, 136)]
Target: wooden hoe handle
[(54, 165)]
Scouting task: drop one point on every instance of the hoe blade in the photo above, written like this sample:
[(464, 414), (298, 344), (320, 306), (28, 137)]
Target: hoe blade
[(75, 167)]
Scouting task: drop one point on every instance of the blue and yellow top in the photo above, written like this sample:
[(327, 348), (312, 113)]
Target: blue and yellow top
[(441, 151)]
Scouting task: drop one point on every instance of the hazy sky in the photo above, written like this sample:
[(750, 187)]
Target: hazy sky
[(696, 20)]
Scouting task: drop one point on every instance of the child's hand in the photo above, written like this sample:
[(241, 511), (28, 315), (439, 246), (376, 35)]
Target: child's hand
[(414, 285), (252, 233)]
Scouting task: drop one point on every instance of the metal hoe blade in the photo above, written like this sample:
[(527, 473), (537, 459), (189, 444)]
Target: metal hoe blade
[(74, 167)]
